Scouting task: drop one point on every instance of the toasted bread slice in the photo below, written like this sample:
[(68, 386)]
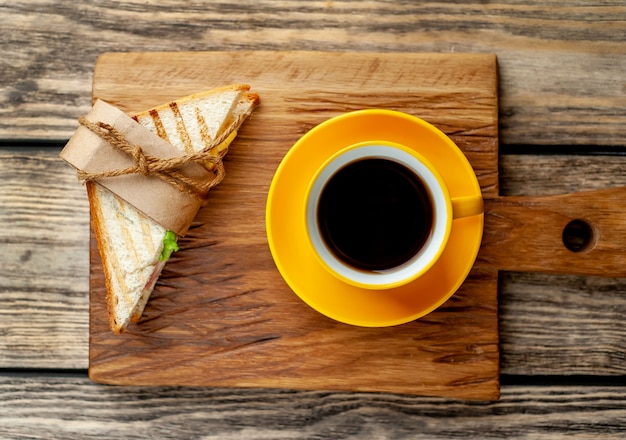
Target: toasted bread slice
[(129, 242)]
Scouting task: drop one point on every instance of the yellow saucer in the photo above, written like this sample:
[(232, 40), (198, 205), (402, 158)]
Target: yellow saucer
[(294, 256)]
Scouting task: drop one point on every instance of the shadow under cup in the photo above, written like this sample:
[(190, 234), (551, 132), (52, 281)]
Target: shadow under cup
[(378, 215)]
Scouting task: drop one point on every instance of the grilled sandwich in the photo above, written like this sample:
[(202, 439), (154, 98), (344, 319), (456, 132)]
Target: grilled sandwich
[(133, 247)]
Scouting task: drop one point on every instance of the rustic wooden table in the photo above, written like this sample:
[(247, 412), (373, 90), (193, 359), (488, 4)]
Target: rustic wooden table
[(562, 76)]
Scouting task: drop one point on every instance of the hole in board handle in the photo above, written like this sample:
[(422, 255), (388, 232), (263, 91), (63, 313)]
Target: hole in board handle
[(578, 236)]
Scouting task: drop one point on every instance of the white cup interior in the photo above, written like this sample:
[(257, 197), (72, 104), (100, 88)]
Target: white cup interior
[(429, 252)]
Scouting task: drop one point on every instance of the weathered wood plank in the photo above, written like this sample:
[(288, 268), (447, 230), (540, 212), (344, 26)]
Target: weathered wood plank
[(548, 320), (548, 324), (44, 263), (74, 408), (566, 61), (584, 307), (536, 175)]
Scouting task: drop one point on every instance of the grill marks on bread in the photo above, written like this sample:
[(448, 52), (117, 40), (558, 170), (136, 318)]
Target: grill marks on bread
[(205, 134), (192, 128), (158, 125), (182, 131)]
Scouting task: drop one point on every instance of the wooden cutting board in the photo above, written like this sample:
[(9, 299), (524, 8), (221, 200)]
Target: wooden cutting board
[(221, 315)]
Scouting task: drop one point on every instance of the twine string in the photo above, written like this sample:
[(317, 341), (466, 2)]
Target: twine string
[(165, 169)]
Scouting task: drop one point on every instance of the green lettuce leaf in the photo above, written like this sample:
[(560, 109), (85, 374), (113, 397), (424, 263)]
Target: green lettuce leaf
[(169, 246)]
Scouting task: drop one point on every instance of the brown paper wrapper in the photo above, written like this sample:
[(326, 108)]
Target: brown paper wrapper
[(157, 199)]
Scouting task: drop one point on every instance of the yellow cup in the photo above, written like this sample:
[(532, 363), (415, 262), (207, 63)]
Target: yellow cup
[(379, 214)]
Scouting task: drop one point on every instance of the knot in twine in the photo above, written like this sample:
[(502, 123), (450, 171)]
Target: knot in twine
[(165, 169)]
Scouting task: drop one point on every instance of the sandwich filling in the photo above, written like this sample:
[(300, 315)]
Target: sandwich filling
[(169, 246)]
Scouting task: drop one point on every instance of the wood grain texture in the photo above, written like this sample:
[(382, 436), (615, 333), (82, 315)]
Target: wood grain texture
[(44, 216), (545, 319), (561, 68), (549, 324), (75, 408), (457, 94), (528, 233), (564, 59), (221, 303), (537, 175)]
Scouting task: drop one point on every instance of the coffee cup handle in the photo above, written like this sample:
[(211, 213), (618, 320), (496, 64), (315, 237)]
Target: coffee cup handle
[(467, 206)]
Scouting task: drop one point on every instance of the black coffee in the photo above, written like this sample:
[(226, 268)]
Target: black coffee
[(375, 214)]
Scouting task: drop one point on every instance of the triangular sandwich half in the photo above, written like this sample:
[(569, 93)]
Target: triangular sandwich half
[(132, 245)]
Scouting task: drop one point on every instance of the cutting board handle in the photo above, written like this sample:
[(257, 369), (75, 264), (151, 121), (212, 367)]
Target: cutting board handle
[(581, 233)]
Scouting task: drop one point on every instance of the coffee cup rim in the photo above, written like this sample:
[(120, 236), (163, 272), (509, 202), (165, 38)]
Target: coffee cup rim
[(417, 265)]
